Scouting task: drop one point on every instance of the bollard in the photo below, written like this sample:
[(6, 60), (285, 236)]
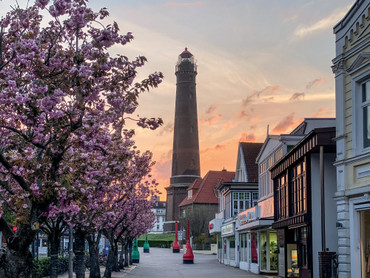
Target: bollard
[(135, 252), (188, 257), (176, 246), (146, 245)]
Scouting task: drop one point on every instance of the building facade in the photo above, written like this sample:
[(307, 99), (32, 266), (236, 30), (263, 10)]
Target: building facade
[(233, 198), (352, 89), (185, 153), (304, 187), (159, 210)]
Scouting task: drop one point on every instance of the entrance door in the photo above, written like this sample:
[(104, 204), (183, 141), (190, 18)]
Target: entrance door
[(304, 269), (268, 251)]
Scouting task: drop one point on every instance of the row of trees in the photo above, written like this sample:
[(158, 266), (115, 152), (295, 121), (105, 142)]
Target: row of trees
[(66, 154)]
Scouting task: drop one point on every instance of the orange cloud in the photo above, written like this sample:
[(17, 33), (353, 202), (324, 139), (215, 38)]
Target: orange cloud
[(243, 113), (297, 96), (247, 137), (323, 112), (174, 3), (211, 120), (315, 82), (168, 128), (269, 90), (212, 108), (284, 124)]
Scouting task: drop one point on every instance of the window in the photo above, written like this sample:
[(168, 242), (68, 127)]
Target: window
[(298, 194), (241, 201), (365, 107), (361, 113), (281, 196), (254, 199), (279, 154)]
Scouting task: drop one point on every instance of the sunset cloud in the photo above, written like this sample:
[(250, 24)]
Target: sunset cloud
[(174, 3), (211, 120), (211, 108), (168, 128), (315, 82), (247, 137), (322, 24), (218, 147), (267, 91), (284, 124), (297, 96)]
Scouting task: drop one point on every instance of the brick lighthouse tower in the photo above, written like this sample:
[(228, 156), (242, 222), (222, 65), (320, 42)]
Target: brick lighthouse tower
[(185, 154)]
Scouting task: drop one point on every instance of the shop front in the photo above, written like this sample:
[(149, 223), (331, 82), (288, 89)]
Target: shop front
[(228, 244), (360, 236), (214, 229)]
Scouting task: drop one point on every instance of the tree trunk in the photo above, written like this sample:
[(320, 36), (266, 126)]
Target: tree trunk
[(94, 256), (127, 259), (109, 265), (79, 250), (16, 261), (115, 266), (16, 264), (54, 239), (120, 264), (130, 251)]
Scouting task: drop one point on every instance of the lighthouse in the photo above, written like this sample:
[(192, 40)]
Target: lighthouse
[(185, 152)]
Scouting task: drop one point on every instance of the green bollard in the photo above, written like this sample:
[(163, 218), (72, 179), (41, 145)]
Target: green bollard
[(146, 245), (135, 252)]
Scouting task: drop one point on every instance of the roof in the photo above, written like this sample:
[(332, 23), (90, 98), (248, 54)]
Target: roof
[(355, 7), (204, 189), (309, 144), (186, 53), (250, 152)]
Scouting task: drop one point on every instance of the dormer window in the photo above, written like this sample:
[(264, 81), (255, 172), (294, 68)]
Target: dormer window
[(190, 194)]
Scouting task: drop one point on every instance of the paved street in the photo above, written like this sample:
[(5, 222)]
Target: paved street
[(163, 263)]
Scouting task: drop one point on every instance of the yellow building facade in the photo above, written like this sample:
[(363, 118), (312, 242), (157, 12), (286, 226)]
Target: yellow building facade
[(352, 79)]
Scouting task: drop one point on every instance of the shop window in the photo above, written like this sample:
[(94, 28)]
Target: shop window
[(292, 264), (273, 251), (232, 248), (263, 248), (365, 243)]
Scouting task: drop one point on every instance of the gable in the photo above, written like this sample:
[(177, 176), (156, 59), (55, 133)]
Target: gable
[(362, 60)]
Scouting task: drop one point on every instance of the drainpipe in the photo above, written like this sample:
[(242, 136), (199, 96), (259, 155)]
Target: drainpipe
[(323, 242)]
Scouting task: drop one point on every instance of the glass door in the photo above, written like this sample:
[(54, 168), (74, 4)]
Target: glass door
[(365, 243), (268, 251)]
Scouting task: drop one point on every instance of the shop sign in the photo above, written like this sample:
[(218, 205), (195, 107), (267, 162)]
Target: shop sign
[(267, 208), (227, 229), (247, 216)]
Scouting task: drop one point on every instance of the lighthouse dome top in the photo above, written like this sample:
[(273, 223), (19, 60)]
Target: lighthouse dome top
[(186, 53), (186, 58)]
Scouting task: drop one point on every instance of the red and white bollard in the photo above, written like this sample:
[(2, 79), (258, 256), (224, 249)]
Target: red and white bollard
[(188, 257), (176, 246)]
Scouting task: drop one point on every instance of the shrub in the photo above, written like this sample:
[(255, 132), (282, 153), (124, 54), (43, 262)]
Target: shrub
[(41, 267)]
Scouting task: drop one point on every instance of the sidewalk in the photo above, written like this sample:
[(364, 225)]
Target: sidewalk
[(120, 274)]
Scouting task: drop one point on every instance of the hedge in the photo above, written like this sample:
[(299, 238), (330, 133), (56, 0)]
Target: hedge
[(42, 266), (157, 240)]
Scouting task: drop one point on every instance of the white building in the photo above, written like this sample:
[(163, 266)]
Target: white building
[(159, 210), (352, 89)]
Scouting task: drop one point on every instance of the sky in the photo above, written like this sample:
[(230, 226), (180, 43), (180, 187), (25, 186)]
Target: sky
[(262, 65)]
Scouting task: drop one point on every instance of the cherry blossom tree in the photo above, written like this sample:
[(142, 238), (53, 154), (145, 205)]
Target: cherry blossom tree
[(61, 94)]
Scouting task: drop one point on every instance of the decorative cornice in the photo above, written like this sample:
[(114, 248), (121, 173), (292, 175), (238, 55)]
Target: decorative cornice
[(338, 67)]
